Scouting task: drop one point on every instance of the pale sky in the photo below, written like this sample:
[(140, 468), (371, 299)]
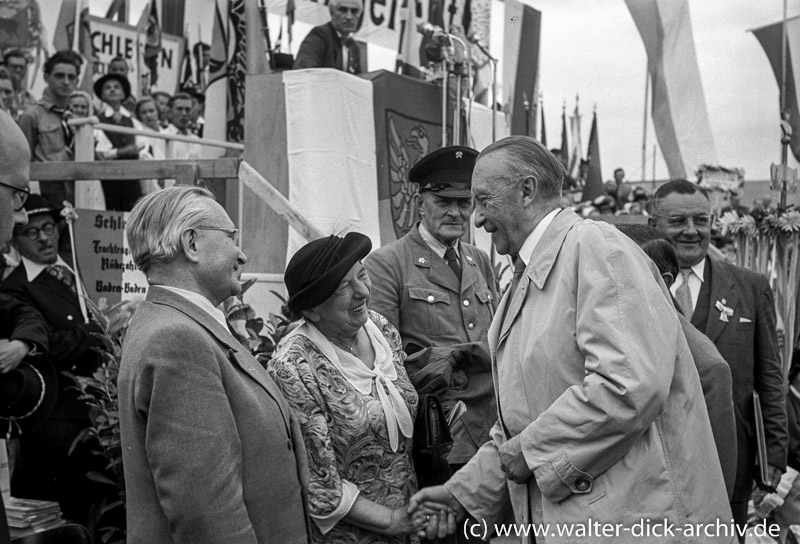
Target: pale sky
[(592, 48)]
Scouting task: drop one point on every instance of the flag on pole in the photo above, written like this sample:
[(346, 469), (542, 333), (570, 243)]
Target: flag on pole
[(73, 33), (576, 154), (594, 178), (216, 113), (152, 47), (770, 39), (408, 61), (564, 142), (520, 64), (543, 131), (679, 110)]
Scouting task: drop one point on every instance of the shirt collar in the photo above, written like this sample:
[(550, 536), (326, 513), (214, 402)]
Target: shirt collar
[(699, 269), (33, 269), (108, 111), (438, 247), (526, 251), (200, 301)]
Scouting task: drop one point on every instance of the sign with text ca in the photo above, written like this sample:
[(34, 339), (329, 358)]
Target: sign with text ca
[(112, 39), (104, 258)]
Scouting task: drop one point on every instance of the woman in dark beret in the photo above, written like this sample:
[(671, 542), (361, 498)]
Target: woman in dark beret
[(342, 373)]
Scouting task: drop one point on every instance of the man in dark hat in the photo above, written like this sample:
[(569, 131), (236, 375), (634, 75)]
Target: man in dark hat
[(46, 282), (44, 125), (114, 89), (436, 289)]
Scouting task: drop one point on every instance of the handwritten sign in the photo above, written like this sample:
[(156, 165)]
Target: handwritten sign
[(104, 258)]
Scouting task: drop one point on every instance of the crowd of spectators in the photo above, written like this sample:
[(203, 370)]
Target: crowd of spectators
[(44, 121)]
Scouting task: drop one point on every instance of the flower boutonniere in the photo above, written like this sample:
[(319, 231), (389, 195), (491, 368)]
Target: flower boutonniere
[(725, 313)]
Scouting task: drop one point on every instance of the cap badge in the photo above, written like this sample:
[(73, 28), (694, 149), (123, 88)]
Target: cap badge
[(459, 154)]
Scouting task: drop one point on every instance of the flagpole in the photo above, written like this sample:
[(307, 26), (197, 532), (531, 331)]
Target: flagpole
[(644, 129), (784, 113)]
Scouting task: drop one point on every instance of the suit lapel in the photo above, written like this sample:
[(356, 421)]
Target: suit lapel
[(539, 267), (438, 271), (237, 353), (46, 282), (469, 268), (722, 291)]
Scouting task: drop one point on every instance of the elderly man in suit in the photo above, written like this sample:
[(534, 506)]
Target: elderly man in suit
[(601, 413), (734, 307), (331, 45), (210, 449)]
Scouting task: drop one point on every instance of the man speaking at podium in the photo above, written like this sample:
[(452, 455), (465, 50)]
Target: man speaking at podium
[(332, 45)]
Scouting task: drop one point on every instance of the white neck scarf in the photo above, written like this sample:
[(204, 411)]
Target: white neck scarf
[(361, 377)]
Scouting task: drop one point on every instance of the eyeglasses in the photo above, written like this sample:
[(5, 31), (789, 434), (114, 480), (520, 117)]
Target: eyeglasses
[(233, 234), (21, 194), (33, 233), (702, 220), (17, 67)]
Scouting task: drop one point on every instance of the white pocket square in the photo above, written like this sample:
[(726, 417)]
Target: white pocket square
[(745, 320)]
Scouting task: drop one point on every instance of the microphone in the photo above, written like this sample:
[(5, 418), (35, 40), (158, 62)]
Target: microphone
[(475, 39), (434, 33)]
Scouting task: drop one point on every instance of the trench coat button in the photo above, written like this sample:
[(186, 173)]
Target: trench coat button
[(69, 318), (466, 303), (582, 485), (471, 326), (431, 299)]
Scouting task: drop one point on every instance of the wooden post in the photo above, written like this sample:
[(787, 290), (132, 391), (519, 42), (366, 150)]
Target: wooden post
[(279, 204), (88, 193)]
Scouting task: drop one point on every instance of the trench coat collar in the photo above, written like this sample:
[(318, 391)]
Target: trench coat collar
[(238, 354), (722, 288), (537, 272), (437, 270)]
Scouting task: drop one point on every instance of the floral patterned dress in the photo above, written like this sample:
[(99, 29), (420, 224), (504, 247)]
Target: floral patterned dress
[(345, 434)]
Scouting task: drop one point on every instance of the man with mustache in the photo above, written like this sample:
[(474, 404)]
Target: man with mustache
[(44, 281)]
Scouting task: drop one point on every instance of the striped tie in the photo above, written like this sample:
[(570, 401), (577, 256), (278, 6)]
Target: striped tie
[(684, 295)]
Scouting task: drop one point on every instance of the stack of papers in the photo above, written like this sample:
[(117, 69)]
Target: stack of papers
[(32, 516)]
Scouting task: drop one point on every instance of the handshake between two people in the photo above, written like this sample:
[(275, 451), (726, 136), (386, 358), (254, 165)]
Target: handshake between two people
[(435, 512), (442, 512)]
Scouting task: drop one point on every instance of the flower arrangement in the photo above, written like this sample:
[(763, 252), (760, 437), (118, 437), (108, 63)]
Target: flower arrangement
[(768, 241)]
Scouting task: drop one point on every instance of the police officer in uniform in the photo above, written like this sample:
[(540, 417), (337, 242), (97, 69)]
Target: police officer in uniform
[(436, 289)]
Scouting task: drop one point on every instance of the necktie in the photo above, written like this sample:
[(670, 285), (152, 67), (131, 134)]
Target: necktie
[(452, 261), (684, 295), (68, 131), (62, 274), (351, 51), (519, 269)]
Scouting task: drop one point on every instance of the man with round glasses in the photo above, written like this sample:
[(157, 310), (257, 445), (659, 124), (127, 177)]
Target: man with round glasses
[(734, 308), (46, 282)]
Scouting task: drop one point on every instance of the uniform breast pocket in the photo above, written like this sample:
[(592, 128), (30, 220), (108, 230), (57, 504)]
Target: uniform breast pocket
[(430, 308), (51, 138), (487, 302)]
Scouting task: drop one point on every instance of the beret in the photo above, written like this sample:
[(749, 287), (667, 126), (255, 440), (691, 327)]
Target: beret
[(446, 171), (315, 271)]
